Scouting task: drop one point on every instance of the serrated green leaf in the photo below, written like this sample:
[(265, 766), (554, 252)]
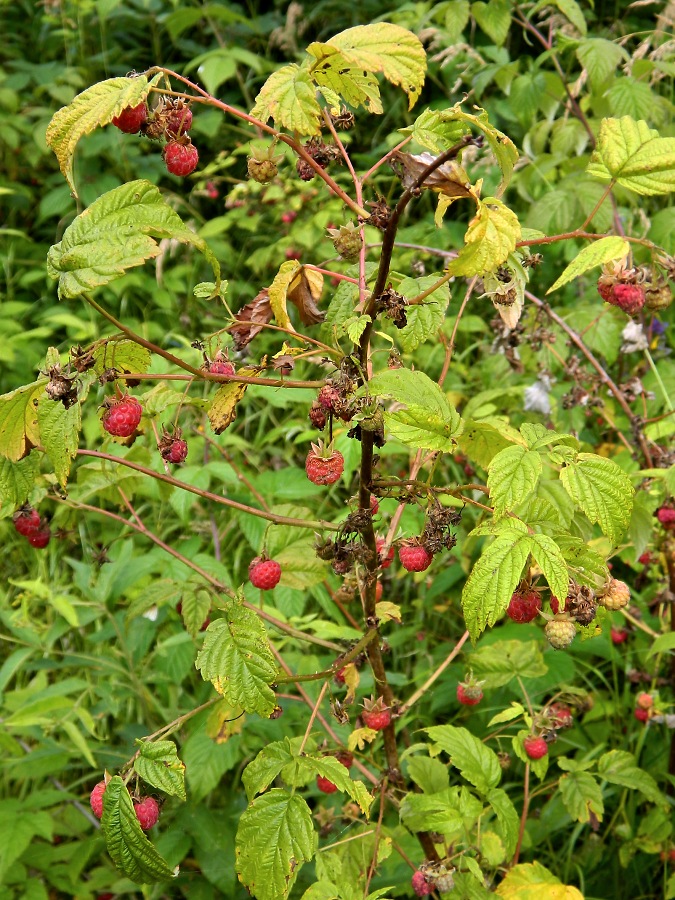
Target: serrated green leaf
[(334, 72), (569, 8), (429, 774), (549, 558), (340, 310), (585, 565), (289, 97), (158, 765), (59, 434), (507, 817), (432, 131), (497, 664), (595, 254), (261, 771), (601, 59), (581, 796), (195, 606), (482, 440), (274, 838), (618, 767), (424, 319), (19, 429), (356, 326), (457, 13), (118, 231), (492, 234), (538, 436), (17, 479), (602, 491), (129, 848), (330, 768), (478, 764), (438, 811), (123, 355), (237, 658), (507, 715), (96, 106), (382, 47), (512, 477), (494, 577), (632, 154), (494, 18)]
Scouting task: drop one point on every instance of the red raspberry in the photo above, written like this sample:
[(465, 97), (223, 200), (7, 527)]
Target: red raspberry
[(606, 291), (176, 452), (535, 747), (292, 253), (346, 758), (555, 604), (222, 367), (96, 799), (645, 558), (525, 606), (642, 715), (179, 158), (325, 785), (645, 701), (415, 557), (329, 397), (628, 297), (27, 521), (420, 884), (618, 635), (379, 590), (666, 516), (374, 504), (147, 812), (40, 538), (178, 120), (561, 715), (387, 560), (289, 216), (376, 719), (122, 416), (264, 573), (130, 119), (324, 466), (469, 696)]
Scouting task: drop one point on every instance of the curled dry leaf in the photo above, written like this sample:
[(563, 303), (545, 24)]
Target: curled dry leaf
[(305, 292), (449, 178), (251, 317)]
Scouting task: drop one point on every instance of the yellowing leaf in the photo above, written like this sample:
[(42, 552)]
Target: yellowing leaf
[(278, 291), (360, 737), (223, 409), (632, 154), (352, 679), (595, 254), (387, 611), (19, 430), (96, 106), (289, 97), (492, 234), (531, 881), (333, 72), (390, 49), (304, 291)]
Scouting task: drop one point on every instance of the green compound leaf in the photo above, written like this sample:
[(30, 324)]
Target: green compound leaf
[(19, 429), (129, 848), (494, 18), (118, 231), (512, 477), (601, 59), (424, 319), (492, 234), (237, 658), (159, 766), (17, 479), (507, 816), (334, 771), (59, 434), (632, 154), (501, 662), (489, 588), (336, 74), (602, 491), (549, 558), (584, 564), (429, 421), (274, 838), (618, 767), (596, 254), (581, 796), (382, 47), (478, 764), (289, 97), (96, 106)]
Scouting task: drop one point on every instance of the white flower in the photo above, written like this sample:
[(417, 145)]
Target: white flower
[(634, 338), (537, 396)]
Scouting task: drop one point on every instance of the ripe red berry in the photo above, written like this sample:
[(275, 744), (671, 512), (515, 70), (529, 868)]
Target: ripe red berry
[(642, 715), (469, 696), (41, 538), (222, 367), (555, 604), (325, 785), (289, 216), (376, 719), (27, 521), (524, 606), (178, 120), (292, 253), (561, 715), (535, 747), (329, 397), (618, 635), (666, 516), (180, 158), (374, 504), (628, 297), (176, 452), (147, 812), (385, 561), (96, 799), (415, 557), (264, 573), (130, 119), (122, 416), (323, 465), (645, 558), (420, 884)]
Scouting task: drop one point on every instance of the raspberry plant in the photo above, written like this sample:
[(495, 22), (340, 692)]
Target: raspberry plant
[(542, 516)]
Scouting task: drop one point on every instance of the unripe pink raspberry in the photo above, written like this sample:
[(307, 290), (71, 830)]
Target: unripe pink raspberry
[(147, 812), (535, 747), (122, 416), (96, 799), (420, 884)]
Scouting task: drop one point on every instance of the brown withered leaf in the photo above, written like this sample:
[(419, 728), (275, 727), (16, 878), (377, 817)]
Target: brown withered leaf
[(223, 409), (258, 310), (305, 292), (449, 178)]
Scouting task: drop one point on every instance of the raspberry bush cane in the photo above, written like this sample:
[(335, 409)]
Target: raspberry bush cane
[(522, 544)]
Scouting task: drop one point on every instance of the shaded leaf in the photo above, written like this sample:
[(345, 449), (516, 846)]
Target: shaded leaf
[(159, 766)]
